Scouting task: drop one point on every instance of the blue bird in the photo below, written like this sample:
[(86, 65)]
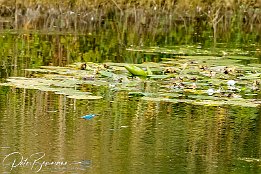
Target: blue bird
[(88, 117)]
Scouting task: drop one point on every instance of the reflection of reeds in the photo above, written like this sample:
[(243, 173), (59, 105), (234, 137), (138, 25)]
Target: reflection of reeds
[(101, 30)]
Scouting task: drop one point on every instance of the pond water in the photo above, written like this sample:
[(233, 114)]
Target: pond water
[(43, 132)]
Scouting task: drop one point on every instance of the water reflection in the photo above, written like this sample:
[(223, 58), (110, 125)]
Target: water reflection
[(33, 49), (129, 135)]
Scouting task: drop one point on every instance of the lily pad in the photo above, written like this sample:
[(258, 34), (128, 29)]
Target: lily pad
[(41, 70), (53, 67), (251, 76), (109, 74), (156, 99), (206, 80), (201, 57), (242, 103), (85, 97), (161, 76), (241, 57)]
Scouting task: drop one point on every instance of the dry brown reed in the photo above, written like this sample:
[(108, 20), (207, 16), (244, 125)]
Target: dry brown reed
[(146, 16)]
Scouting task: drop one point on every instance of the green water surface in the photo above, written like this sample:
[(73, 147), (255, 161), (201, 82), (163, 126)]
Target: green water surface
[(42, 131)]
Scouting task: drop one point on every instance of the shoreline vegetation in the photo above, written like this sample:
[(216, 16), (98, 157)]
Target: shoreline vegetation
[(141, 16), (84, 30)]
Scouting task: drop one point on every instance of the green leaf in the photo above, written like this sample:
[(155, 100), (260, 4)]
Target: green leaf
[(149, 71), (250, 76), (85, 97), (135, 71), (107, 74), (241, 57), (160, 76)]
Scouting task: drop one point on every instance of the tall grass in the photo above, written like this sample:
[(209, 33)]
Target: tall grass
[(145, 17), (84, 15)]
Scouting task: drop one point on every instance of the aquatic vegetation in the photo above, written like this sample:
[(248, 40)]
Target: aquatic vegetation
[(155, 22), (85, 15), (194, 79), (136, 71), (60, 85)]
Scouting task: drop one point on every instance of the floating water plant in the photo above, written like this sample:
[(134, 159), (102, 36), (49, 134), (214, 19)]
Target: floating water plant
[(66, 86), (136, 71), (190, 79)]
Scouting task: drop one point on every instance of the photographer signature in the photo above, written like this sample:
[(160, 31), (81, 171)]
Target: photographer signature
[(36, 162)]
